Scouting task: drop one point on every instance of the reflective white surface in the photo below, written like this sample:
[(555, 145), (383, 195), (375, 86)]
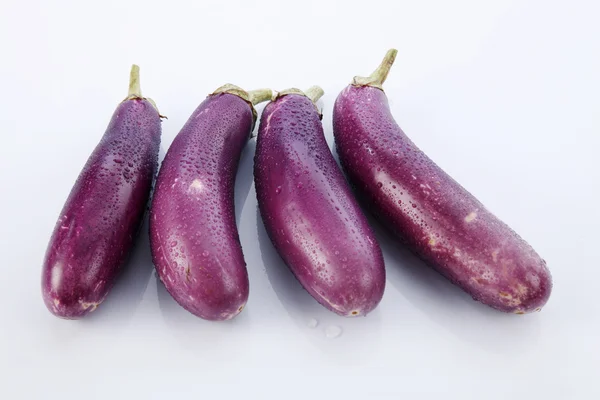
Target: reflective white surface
[(503, 95)]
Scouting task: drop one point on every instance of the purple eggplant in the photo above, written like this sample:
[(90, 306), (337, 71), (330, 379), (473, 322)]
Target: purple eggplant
[(102, 215), (193, 234), (436, 217), (309, 211)]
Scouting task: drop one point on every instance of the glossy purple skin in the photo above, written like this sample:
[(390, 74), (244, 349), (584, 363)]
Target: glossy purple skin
[(309, 212), (98, 223), (438, 219), (193, 234)]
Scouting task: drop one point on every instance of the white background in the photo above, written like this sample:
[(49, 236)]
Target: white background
[(504, 95)]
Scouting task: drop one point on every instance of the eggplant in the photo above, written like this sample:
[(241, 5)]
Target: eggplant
[(309, 211), (430, 212)]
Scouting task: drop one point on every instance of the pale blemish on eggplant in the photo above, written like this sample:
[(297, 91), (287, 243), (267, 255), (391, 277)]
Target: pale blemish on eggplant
[(495, 255), (196, 185), (471, 217), (89, 306)]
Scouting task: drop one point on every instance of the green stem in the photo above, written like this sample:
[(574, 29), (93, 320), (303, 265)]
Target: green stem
[(134, 83), (259, 95), (381, 73), (135, 91), (252, 97), (314, 93), (378, 76)]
